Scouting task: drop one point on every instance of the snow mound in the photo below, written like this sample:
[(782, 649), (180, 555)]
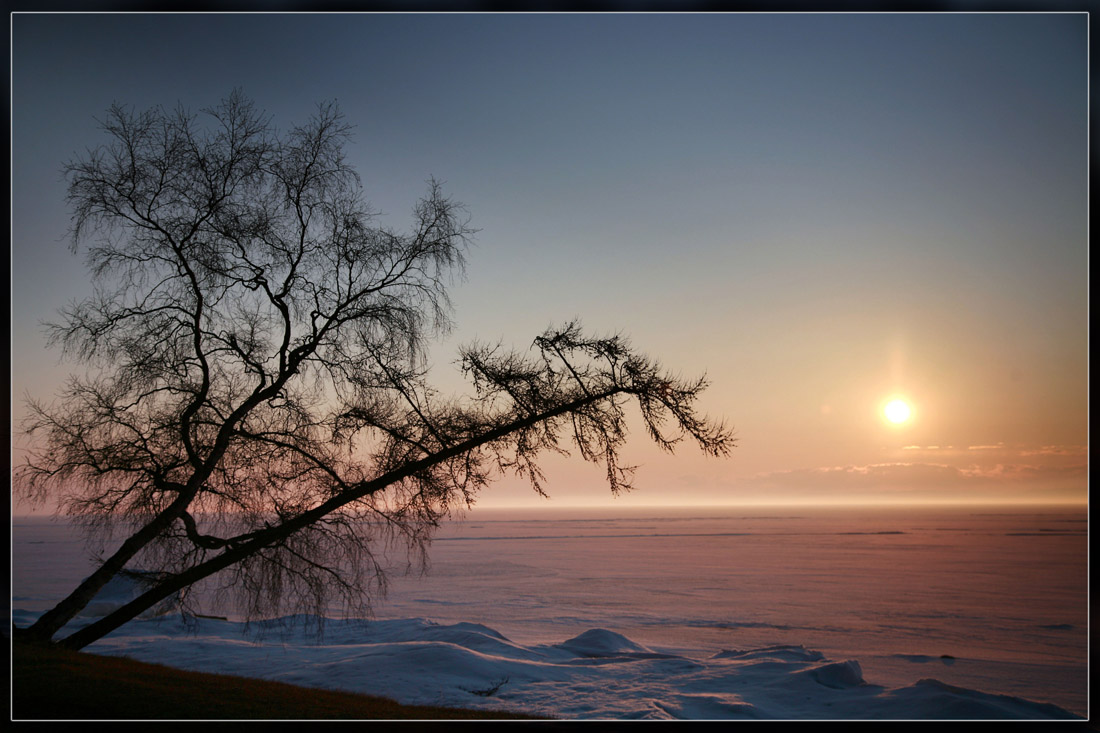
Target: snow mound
[(399, 630), (602, 643), (837, 675), (780, 652), (960, 703)]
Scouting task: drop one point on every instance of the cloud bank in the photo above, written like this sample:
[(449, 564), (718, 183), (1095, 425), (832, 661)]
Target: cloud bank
[(925, 479)]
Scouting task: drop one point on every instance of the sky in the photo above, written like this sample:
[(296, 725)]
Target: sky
[(819, 211)]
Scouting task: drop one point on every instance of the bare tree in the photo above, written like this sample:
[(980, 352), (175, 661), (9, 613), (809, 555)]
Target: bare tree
[(255, 408)]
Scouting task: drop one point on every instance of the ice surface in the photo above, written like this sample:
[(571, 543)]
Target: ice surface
[(667, 614)]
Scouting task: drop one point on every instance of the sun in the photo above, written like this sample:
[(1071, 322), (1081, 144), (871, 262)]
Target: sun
[(897, 411)]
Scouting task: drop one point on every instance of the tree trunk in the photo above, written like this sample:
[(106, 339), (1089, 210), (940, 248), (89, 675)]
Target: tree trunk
[(110, 622), (51, 622)]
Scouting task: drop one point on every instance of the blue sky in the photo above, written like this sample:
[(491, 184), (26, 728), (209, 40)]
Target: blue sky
[(818, 210)]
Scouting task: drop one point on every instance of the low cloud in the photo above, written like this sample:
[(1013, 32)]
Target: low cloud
[(998, 451), (875, 474), (927, 477), (1025, 472), (940, 451), (1057, 450)]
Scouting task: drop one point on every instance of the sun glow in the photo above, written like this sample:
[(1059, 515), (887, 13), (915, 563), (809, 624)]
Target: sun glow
[(897, 411)]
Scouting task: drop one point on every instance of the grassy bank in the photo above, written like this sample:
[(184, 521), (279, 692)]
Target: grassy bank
[(53, 684)]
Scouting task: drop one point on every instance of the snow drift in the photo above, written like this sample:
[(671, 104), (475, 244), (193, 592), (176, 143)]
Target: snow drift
[(598, 674)]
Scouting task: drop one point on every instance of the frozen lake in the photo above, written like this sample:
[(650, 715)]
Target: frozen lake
[(988, 600)]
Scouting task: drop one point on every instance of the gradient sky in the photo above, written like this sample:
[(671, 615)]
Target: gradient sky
[(819, 211)]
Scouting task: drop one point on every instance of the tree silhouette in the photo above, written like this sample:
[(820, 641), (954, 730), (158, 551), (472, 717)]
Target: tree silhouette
[(254, 407)]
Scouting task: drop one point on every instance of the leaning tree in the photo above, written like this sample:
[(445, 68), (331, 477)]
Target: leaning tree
[(254, 408)]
